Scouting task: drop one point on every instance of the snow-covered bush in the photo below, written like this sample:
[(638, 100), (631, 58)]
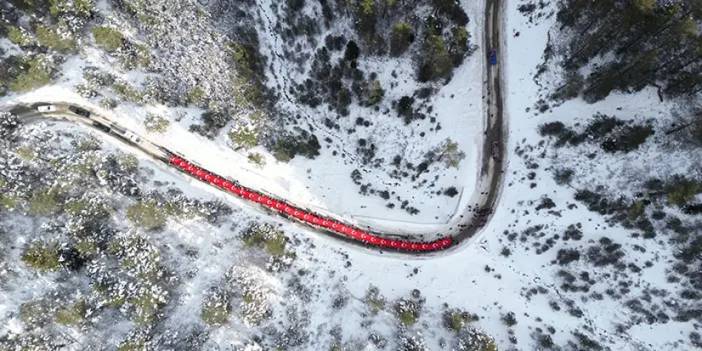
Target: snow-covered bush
[(148, 214), (8, 123), (42, 255), (216, 308)]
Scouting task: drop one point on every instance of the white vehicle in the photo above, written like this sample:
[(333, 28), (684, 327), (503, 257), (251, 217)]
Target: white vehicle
[(46, 108), (133, 138)]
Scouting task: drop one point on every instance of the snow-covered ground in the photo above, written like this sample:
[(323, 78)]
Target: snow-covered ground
[(324, 184), (505, 269)]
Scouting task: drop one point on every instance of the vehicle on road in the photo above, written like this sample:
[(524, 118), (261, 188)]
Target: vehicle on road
[(101, 127), (132, 137), (492, 57), (79, 111), (46, 108)]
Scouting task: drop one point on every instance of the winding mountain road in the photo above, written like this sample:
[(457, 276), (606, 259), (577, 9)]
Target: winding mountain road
[(489, 183)]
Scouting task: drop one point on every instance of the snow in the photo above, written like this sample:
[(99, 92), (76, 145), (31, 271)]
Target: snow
[(457, 277)]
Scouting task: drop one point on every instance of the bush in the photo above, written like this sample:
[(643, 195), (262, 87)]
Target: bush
[(352, 51), (366, 17), (8, 123), (401, 38), (36, 73), (35, 313), (128, 92), (267, 237), (563, 176), (681, 190), (436, 62), (109, 39), (287, 147), (212, 121), (455, 320), (249, 65), (82, 8), (195, 96), (449, 153), (257, 159), (459, 45), (155, 123), (627, 139), (44, 202), (374, 300), (374, 93), (147, 214), (216, 309), (404, 108), (552, 129), (42, 256), (509, 319), (243, 138), (49, 38), (73, 314), (407, 311), (18, 36)]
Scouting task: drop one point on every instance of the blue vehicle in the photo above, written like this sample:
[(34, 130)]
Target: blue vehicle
[(492, 57)]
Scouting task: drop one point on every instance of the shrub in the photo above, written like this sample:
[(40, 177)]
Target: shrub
[(352, 51), (574, 82), (552, 129), (407, 311), (455, 320), (257, 159), (18, 36), (147, 305), (7, 201), (8, 123), (681, 190), (49, 38), (243, 138), (696, 128), (295, 5), (263, 235), (42, 256), (216, 309), (44, 202), (35, 313), (374, 300), (566, 256), (287, 147), (453, 10), (155, 123), (459, 44), (374, 93), (563, 176), (509, 319), (195, 96), (36, 73), (212, 121), (249, 65), (627, 139), (83, 7), (449, 153), (109, 39), (147, 214), (436, 62), (404, 108), (26, 153), (72, 314), (131, 345), (128, 92), (401, 38), (366, 17)]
